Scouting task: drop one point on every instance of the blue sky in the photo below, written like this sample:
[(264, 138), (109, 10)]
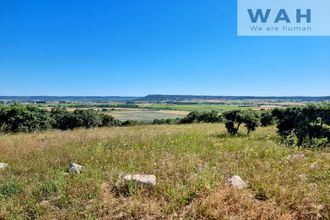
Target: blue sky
[(140, 47)]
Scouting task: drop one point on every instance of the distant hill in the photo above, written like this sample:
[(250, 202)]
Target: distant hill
[(157, 98), (177, 98), (67, 98)]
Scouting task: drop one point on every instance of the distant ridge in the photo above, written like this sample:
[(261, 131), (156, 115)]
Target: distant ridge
[(67, 98), (168, 98), (160, 98)]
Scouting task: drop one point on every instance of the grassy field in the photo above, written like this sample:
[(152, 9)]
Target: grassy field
[(137, 114), (145, 115), (191, 163), (195, 107)]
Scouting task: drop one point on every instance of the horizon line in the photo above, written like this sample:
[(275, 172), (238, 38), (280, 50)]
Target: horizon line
[(141, 96)]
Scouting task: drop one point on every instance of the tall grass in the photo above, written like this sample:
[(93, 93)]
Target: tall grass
[(191, 163)]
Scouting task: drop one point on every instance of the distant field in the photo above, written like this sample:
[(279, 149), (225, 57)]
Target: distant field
[(150, 111), (195, 107), (191, 163), (145, 115)]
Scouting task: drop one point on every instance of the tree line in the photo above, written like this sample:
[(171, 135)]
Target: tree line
[(303, 126), (307, 126), (28, 118)]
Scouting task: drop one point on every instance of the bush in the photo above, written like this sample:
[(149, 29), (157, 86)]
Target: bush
[(266, 118), (9, 189), (310, 124), (132, 123), (206, 117), (86, 118), (286, 119), (109, 121), (19, 118), (63, 119), (167, 121)]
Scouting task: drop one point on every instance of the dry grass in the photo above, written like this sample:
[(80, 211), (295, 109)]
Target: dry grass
[(191, 163)]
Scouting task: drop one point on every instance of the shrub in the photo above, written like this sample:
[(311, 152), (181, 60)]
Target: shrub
[(9, 189), (266, 118), (86, 118), (168, 121), (190, 118), (19, 118), (206, 117), (132, 123), (63, 119), (310, 124), (109, 121)]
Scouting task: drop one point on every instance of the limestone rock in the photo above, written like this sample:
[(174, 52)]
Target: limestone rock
[(236, 182), (303, 177), (3, 166), (141, 180), (313, 165), (46, 205), (75, 168), (295, 157)]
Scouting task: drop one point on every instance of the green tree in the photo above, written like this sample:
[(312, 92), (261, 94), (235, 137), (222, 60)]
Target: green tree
[(20, 118), (235, 118), (286, 120), (108, 120), (309, 124), (251, 119), (190, 118), (266, 118), (87, 118), (63, 119)]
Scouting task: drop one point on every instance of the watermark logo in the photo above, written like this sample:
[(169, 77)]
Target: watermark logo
[(283, 17)]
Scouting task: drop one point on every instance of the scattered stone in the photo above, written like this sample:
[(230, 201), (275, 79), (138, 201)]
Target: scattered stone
[(122, 187), (141, 180), (46, 205), (236, 182), (3, 166), (295, 156), (313, 165), (75, 168)]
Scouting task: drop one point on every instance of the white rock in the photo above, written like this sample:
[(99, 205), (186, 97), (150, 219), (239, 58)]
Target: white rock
[(236, 182), (138, 179), (46, 205), (75, 168), (295, 156), (3, 166), (313, 165)]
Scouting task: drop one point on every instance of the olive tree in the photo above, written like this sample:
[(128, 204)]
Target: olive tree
[(234, 119)]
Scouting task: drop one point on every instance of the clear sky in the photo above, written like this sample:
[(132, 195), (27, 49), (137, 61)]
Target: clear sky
[(140, 47)]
